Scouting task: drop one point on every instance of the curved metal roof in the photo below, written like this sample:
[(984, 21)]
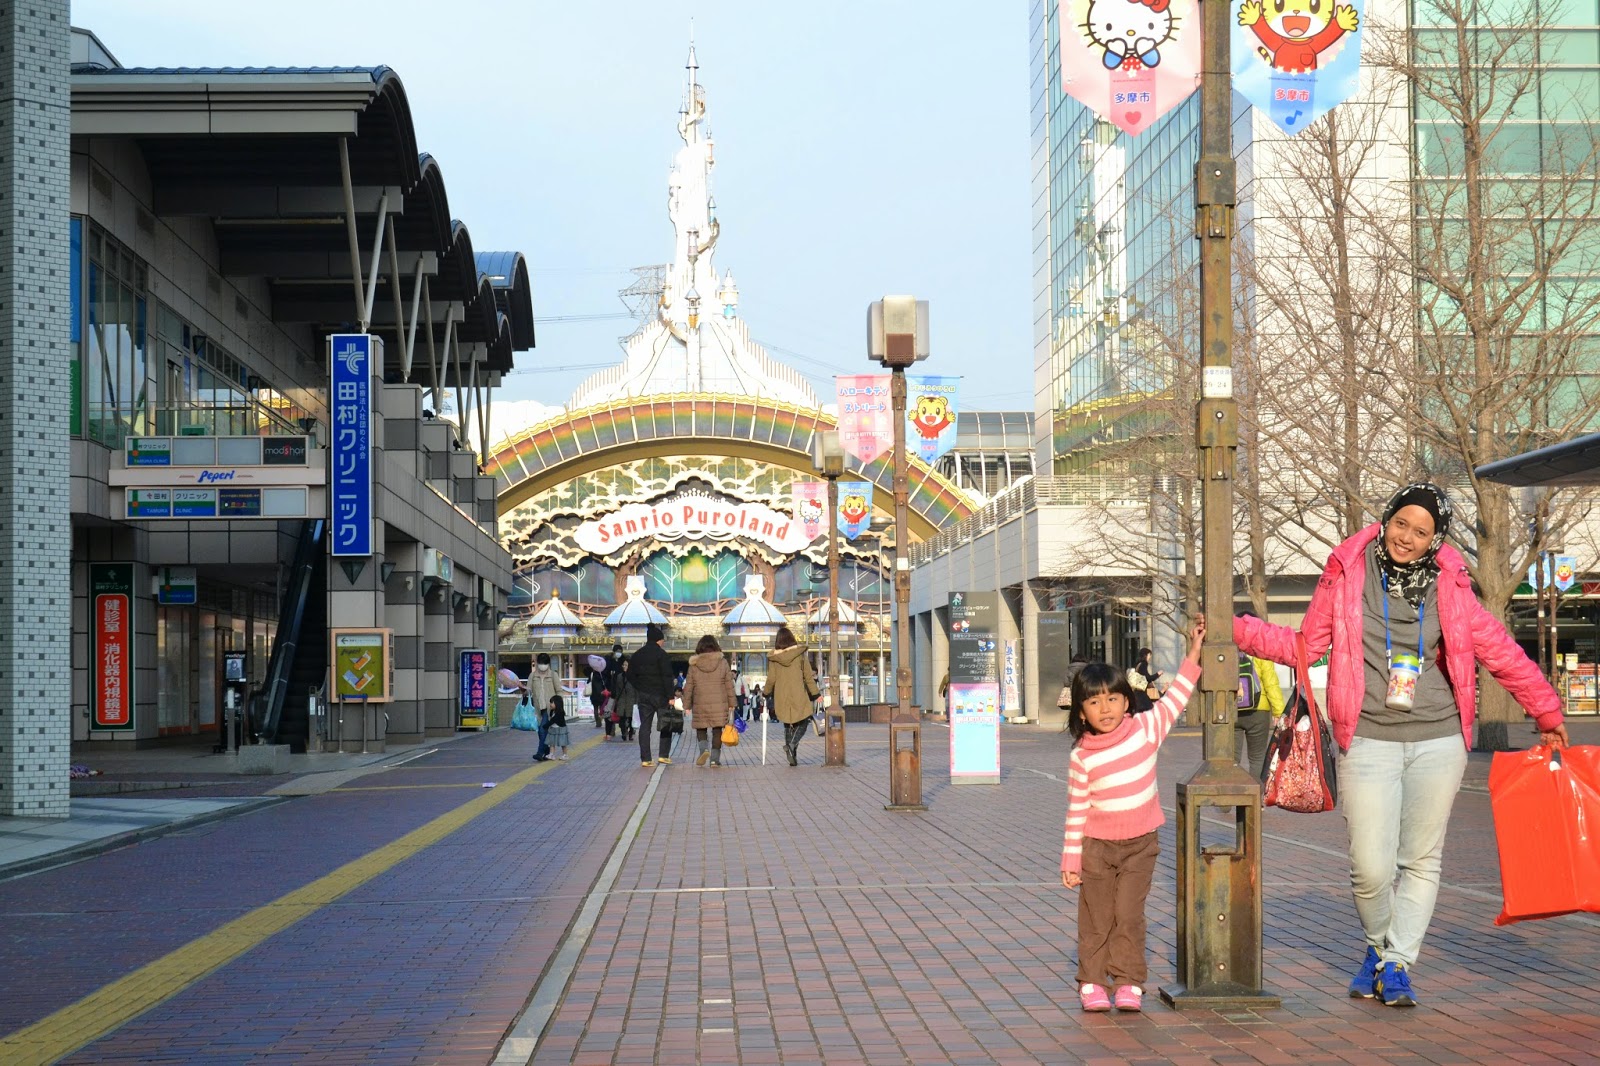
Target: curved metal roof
[(508, 273), (256, 151)]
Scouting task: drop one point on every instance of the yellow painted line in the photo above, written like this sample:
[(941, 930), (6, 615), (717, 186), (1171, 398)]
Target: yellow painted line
[(402, 788), (108, 1009)]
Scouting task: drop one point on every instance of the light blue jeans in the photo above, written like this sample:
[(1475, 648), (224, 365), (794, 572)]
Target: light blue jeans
[(1397, 798)]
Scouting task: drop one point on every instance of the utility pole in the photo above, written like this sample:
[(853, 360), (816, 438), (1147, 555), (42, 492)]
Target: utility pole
[(1219, 886)]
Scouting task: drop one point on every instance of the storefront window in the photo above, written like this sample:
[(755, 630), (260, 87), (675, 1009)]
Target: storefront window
[(174, 668)]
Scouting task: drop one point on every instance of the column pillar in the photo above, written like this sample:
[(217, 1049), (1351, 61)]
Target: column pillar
[(35, 408), (438, 653), (402, 609), (358, 604)]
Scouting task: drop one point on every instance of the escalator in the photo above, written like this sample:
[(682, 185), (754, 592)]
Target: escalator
[(299, 660)]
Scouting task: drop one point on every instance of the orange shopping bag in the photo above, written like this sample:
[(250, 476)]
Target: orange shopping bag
[(1547, 822)]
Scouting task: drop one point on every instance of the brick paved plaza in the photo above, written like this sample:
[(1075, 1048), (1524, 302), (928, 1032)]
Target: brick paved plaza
[(760, 915)]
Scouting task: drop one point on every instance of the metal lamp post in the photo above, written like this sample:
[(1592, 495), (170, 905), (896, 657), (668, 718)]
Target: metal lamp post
[(1219, 885), (827, 458), (897, 337)]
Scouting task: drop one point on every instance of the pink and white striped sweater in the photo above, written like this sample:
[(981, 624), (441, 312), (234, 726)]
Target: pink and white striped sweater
[(1111, 780)]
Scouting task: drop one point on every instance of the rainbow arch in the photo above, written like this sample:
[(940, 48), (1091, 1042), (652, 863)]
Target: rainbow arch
[(592, 438)]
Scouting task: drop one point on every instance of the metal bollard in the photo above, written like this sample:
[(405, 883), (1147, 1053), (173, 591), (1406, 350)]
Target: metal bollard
[(905, 767)]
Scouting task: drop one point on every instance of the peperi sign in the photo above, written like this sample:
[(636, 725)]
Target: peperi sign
[(692, 518)]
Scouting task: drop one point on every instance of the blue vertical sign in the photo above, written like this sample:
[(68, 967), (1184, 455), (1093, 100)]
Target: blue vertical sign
[(350, 450)]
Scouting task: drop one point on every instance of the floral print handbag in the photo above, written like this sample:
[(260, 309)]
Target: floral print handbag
[(1300, 773)]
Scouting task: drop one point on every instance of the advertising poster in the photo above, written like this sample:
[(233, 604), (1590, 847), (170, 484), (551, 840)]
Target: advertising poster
[(1010, 678), (974, 732), (866, 423), (855, 508), (1296, 59), (111, 586), (474, 688), (361, 665), (811, 507), (350, 449), (1130, 61), (930, 415)]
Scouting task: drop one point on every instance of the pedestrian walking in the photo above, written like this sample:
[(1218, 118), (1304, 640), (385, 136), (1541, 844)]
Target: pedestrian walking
[(541, 690), (598, 693), (708, 696), (1113, 812), (1074, 668), (758, 702), (619, 720), (650, 672), (559, 737), (1260, 704), (792, 689), (1405, 634), (1143, 678)]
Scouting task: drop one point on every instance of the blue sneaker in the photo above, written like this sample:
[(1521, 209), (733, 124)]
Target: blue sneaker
[(1393, 986), (1361, 983)]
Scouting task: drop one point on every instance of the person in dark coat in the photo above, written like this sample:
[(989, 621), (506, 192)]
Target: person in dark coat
[(651, 677)]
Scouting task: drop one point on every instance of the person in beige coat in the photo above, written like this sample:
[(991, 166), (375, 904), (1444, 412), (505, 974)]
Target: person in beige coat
[(793, 690), (708, 697)]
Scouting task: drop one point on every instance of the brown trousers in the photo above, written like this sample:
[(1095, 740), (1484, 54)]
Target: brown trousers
[(1111, 927)]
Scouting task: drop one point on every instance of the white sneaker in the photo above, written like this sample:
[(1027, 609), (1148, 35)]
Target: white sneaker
[(563, 757)]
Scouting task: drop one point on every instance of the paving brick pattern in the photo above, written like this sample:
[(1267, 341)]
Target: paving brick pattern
[(764, 915)]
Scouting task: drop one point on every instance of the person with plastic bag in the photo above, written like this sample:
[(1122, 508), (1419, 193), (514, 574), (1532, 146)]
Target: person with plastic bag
[(708, 696), (541, 690), (525, 717), (1405, 635), (792, 688)]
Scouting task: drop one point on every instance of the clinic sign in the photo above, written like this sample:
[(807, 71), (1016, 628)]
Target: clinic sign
[(690, 517), (111, 696), (474, 687), (352, 357)]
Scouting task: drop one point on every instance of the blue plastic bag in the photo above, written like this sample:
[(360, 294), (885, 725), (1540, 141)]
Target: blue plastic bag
[(523, 717), (740, 724)]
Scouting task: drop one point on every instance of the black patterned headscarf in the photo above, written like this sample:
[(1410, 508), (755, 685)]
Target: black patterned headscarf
[(1411, 580)]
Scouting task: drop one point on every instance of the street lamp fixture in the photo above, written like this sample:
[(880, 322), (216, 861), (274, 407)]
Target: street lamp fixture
[(897, 337), (827, 458)]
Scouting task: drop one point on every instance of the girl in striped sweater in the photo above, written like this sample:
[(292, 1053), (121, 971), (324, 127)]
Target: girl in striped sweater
[(1113, 811)]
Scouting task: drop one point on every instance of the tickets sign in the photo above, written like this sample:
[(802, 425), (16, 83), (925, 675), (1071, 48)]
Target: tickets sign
[(111, 585)]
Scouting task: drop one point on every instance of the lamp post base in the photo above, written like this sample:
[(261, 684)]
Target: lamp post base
[(1220, 996)]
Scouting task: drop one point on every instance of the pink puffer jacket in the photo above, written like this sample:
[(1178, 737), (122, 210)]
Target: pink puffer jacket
[(1471, 636)]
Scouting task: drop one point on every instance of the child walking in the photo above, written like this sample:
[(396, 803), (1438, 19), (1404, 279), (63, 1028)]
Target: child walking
[(1113, 811), (559, 737)]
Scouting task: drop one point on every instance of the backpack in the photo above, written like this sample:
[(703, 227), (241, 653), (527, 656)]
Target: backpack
[(1249, 684)]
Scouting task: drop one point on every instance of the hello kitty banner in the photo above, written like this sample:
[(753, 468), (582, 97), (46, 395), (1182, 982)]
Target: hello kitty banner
[(811, 506), (1130, 61), (1296, 59)]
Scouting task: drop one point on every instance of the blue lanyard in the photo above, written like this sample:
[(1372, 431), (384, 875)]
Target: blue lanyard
[(1388, 644)]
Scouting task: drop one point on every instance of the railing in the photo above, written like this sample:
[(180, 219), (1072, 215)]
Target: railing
[(113, 424), (1030, 494)]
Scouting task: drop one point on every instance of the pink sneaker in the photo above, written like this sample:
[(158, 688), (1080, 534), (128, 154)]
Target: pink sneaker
[(1094, 998), (1130, 997)]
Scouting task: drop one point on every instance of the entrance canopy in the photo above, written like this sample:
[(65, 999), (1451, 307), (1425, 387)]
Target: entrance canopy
[(1577, 462)]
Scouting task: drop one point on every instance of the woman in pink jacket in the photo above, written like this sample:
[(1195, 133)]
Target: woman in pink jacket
[(1395, 592)]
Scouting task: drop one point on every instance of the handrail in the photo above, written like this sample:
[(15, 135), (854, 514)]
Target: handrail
[(299, 590)]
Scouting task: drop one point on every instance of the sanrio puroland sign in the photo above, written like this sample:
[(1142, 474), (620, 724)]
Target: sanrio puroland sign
[(688, 517), (1129, 61)]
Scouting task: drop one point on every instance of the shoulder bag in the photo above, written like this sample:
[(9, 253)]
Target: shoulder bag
[(1300, 772)]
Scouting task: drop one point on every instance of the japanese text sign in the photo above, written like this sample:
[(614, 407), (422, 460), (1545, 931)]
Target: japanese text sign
[(474, 681), (112, 699), (866, 421), (352, 357)]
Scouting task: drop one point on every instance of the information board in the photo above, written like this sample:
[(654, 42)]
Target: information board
[(974, 733), (474, 688), (362, 665), (112, 696)]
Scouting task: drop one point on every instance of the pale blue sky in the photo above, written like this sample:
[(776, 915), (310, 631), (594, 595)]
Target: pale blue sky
[(863, 148)]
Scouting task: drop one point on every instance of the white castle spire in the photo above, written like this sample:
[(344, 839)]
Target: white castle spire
[(696, 342)]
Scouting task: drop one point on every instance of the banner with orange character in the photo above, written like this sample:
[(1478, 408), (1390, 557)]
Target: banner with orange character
[(1296, 59), (930, 415)]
